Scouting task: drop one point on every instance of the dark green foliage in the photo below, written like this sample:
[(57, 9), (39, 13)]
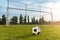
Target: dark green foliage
[(14, 20), (41, 20), (21, 19), (0, 21), (36, 21), (25, 19), (33, 20), (3, 19), (28, 19)]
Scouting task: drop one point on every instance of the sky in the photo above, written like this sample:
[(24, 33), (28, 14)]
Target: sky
[(32, 5)]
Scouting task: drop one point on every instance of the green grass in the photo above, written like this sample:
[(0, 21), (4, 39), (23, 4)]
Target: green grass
[(23, 32)]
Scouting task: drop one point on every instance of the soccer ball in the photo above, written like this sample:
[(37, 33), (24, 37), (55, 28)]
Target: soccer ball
[(36, 30)]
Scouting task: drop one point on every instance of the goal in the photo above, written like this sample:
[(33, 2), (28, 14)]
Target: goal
[(42, 14)]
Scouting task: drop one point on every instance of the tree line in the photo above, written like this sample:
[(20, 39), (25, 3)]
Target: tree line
[(23, 20)]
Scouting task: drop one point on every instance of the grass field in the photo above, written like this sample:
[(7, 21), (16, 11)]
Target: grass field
[(23, 32)]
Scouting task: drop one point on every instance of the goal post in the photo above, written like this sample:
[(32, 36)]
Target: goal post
[(27, 10), (7, 13)]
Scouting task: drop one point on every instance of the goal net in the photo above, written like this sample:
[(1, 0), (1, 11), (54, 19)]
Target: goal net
[(21, 13)]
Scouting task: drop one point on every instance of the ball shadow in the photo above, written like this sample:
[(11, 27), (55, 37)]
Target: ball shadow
[(25, 36)]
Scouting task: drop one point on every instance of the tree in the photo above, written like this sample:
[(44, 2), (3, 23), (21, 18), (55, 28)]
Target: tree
[(3, 19), (41, 20), (0, 21), (33, 20), (21, 19), (14, 20), (36, 21), (28, 19), (25, 19)]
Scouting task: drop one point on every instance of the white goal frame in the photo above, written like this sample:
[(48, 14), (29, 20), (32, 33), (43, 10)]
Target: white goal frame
[(7, 12)]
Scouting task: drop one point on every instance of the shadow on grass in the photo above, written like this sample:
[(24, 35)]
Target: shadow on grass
[(25, 36), (22, 37)]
